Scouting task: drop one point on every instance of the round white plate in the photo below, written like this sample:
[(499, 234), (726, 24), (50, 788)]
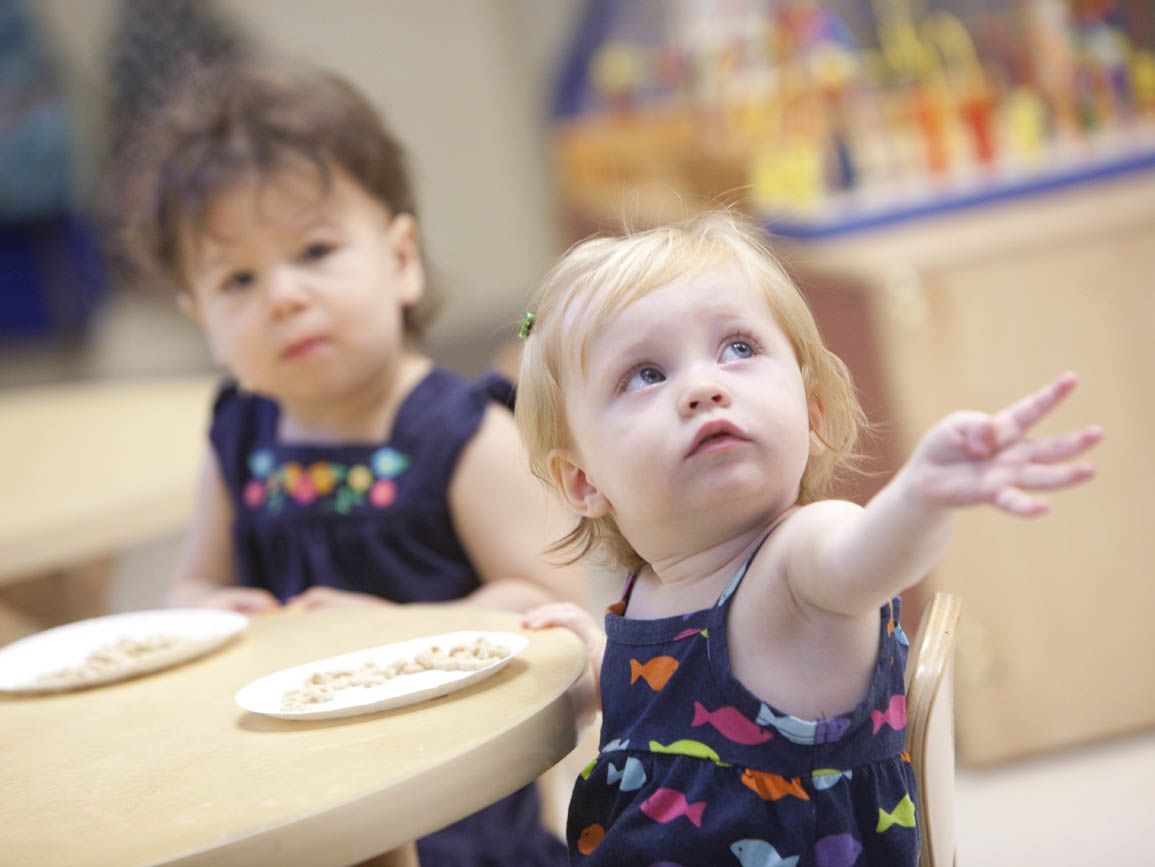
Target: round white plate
[(265, 696), (24, 662)]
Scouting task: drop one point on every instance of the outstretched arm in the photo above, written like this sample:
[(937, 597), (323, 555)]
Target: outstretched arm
[(849, 559)]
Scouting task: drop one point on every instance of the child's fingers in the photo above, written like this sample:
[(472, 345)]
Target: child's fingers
[(981, 437), (565, 615), (1023, 414), (1018, 503), (1062, 448), (315, 597), (550, 614), (244, 600), (1046, 477)]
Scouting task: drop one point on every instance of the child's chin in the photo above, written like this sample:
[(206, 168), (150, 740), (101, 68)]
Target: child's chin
[(736, 495)]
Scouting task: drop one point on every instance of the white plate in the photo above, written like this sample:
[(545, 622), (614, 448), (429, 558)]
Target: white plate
[(265, 696), (24, 662)]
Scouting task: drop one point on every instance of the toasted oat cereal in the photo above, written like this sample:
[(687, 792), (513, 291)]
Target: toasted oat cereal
[(122, 657), (321, 686)]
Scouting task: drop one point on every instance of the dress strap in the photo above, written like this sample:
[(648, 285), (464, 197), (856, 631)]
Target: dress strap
[(729, 589), (619, 607)]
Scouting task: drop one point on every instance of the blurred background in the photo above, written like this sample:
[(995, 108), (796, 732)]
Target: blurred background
[(965, 189)]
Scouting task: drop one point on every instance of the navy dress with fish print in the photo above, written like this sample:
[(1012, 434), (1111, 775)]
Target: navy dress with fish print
[(693, 769), (374, 517)]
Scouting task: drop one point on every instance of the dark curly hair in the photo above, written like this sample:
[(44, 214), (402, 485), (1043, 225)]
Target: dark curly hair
[(236, 118)]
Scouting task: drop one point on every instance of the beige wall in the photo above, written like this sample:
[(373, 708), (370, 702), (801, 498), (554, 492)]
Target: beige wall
[(464, 83)]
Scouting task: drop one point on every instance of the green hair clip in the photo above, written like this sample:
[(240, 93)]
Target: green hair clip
[(526, 325)]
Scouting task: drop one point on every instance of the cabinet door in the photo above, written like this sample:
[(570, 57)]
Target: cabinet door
[(1058, 611)]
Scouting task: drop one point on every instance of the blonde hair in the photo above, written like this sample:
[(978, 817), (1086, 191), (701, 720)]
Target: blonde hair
[(600, 276)]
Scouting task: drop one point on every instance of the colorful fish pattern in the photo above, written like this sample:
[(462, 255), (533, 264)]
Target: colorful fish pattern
[(590, 838), (800, 731), (902, 814), (771, 787), (656, 672), (837, 850), (730, 723), (894, 715), (666, 805), (759, 853), (825, 778), (687, 747), (694, 769), (630, 778)]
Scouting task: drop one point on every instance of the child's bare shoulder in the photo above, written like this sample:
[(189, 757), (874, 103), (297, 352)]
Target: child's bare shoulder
[(793, 549), (807, 525)]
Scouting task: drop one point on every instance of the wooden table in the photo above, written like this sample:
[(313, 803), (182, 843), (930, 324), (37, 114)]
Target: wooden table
[(167, 769), (89, 469)]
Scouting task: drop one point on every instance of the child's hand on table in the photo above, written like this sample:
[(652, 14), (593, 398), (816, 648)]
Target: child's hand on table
[(585, 693), (246, 600), (972, 457), (330, 597)]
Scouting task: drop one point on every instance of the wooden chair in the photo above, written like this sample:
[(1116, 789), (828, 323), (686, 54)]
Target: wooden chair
[(930, 727)]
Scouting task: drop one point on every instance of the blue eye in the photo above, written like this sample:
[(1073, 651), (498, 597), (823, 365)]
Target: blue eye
[(643, 377), (736, 350)]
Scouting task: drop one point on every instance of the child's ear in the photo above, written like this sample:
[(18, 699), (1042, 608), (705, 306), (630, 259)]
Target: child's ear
[(817, 427), (407, 255), (188, 306), (580, 493)]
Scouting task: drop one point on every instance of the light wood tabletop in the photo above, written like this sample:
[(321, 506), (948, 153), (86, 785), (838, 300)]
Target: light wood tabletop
[(167, 769), (88, 469)]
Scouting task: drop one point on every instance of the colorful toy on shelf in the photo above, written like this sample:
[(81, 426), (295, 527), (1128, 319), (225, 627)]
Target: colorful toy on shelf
[(823, 109)]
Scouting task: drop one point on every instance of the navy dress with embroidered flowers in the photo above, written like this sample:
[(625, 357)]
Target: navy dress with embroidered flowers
[(373, 518), (694, 769)]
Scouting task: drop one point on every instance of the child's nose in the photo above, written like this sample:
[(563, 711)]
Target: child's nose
[(702, 392), (286, 292)]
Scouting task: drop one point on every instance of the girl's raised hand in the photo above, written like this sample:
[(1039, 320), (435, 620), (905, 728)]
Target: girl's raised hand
[(972, 457)]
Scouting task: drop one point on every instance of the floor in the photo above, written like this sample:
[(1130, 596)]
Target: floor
[(1082, 807)]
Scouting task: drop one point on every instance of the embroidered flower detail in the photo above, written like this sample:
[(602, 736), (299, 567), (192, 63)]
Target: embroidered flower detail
[(261, 463), (389, 463), (303, 491), (292, 473), (324, 478), (382, 493), (323, 484), (254, 494), (360, 478)]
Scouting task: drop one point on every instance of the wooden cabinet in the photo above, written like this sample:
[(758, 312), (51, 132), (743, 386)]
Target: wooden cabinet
[(971, 311)]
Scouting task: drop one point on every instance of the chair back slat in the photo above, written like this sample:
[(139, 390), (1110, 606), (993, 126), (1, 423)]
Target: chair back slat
[(929, 679)]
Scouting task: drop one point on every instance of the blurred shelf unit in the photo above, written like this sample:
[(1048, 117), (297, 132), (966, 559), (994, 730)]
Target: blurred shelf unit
[(826, 118)]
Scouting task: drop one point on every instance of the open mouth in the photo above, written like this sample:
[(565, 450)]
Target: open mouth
[(716, 436)]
